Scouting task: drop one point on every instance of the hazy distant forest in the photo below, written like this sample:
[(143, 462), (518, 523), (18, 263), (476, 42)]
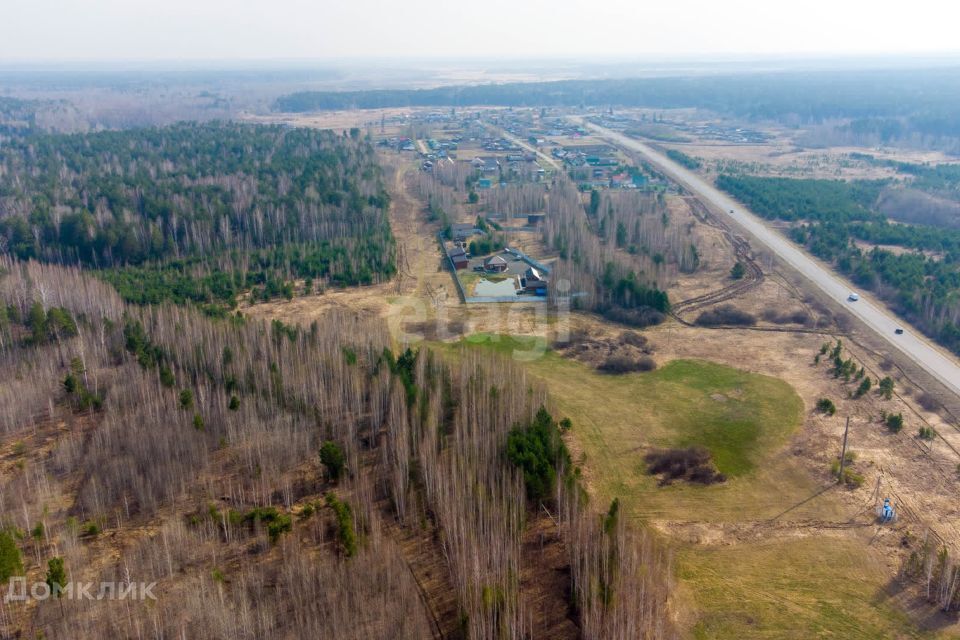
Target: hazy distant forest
[(913, 107)]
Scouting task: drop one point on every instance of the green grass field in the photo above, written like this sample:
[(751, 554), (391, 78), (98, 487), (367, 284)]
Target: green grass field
[(781, 587), (742, 418)]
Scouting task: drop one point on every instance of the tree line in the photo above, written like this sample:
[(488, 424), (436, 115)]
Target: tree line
[(900, 102)]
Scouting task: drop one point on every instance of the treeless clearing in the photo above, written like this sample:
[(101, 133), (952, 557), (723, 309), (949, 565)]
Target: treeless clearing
[(422, 287), (337, 120)]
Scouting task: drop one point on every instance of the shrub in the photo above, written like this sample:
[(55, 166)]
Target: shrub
[(825, 405), (850, 477), (726, 315), (186, 399), (864, 387), (73, 385), (634, 339), (894, 422), (844, 368), (403, 367), (738, 271), (333, 458), (349, 355), (791, 317), (260, 514), (166, 376), (927, 433), (692, 464), (617, 363), (70, 383), (639, 317), (88, 400), (280, 525), (928, 401), (56, 576), (11, 564), (487, 245), (276, 522), (886, 387), (234, 403), (346, 533)]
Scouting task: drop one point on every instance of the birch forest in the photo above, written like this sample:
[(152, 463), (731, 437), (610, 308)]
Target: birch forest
[(158, 444)]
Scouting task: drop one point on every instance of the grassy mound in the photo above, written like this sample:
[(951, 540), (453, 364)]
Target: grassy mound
[(739, 417)]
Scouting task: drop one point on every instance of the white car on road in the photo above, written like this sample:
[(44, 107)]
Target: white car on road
[(853, 297)]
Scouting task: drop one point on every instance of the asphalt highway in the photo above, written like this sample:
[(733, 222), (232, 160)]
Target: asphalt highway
[(933, 359)]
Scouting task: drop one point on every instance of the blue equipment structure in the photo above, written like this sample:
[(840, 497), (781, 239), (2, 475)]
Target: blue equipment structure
[(886, 513)]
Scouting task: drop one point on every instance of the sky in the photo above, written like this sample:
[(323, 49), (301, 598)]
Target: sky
[(187, 30)]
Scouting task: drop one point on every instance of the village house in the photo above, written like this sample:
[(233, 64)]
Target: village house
[(460, 231), (495, 264), (535, 219), (458, 257), (533, 281), (486, 164)]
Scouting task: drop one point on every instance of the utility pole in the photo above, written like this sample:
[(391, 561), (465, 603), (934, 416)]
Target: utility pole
[(843, 451)]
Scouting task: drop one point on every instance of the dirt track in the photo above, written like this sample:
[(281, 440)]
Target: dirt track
[(753, 273)]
